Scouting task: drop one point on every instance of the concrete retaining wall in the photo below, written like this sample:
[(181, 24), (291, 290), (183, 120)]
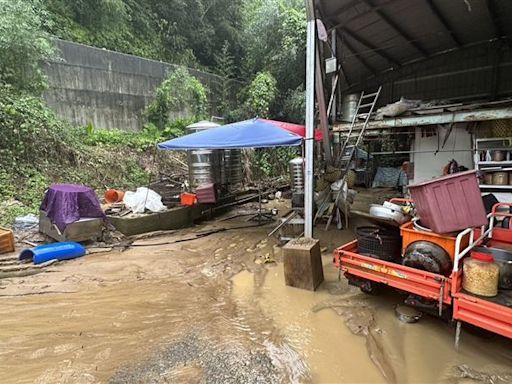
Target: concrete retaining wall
[(109, 89)]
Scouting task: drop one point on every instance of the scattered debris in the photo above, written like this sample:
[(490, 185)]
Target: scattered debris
[(465, 372)]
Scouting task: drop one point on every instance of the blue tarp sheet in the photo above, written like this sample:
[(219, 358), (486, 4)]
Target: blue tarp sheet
[(254, 133)]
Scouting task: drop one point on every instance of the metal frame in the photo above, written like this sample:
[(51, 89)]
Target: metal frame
[(370, 46), (444, 22), (440, 118), (498, 30), (397, 28), (359, 57)]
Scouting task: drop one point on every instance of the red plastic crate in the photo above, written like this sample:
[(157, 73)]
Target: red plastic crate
[(450, 203)]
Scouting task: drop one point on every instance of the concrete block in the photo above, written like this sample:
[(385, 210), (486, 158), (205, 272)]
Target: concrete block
[(303, 264), (81, 230)]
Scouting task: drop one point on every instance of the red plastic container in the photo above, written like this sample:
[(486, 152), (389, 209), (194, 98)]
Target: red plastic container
[(450, 203), (188, 199)]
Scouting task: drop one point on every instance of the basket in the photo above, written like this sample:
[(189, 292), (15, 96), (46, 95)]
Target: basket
[(6, 240), (378, 242)]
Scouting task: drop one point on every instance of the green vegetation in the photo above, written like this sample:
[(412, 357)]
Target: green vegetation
[(180, 92), (261, 93), (23, 44), (237, 39), (259, 43)]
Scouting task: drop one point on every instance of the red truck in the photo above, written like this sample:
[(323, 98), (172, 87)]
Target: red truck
[(443, 293)]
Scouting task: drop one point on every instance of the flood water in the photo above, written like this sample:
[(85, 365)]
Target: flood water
[(408, 353), (213, 311)]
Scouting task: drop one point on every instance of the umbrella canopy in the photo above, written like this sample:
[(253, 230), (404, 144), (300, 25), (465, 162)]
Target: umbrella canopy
[(253, 133), (296, 128)]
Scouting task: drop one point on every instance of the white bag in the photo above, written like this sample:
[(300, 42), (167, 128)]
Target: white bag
[(143, 198)]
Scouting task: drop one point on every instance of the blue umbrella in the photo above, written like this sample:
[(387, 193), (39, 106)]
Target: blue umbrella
[(253, 133)]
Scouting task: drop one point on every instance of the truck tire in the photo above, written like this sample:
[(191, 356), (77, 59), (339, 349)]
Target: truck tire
[(428, 257)]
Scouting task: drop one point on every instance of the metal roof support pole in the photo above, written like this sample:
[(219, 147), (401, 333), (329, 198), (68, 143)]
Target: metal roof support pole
[(334, 49), (310, 119), (322, 107)]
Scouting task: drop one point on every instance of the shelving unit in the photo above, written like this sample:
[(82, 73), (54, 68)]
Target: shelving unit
[(486, 147)]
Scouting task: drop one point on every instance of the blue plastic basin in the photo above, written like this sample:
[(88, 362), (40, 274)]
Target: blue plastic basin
[(55, 251)]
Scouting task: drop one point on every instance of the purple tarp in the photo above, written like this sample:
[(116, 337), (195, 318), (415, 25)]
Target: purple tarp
[(66, 203)]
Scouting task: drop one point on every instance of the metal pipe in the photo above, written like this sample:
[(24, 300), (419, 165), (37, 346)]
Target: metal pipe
[(332, 103), (408, 152), (310, 120)]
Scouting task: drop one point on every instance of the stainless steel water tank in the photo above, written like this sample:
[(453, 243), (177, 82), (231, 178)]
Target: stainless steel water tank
[(297, 181), (232, 167), (204, 165), (349, 106), (297, 174)]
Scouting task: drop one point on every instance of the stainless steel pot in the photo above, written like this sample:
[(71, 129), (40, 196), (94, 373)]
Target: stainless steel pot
[(500, 178), (504, 260), (498, 155), (488, 178)]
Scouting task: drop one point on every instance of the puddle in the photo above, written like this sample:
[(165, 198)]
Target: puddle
[(332, 353), (320, 326)]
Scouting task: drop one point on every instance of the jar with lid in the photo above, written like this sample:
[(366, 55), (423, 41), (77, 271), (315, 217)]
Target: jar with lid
[(481, 274)]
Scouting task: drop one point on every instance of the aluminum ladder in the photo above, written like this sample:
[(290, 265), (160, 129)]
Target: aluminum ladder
[(360, 113), (364, 110)]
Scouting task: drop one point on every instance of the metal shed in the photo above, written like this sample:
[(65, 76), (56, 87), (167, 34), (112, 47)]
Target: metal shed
[(422, 48), (418, 49)]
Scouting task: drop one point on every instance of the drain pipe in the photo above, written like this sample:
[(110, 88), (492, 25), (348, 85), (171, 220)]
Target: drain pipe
[(310, 120)]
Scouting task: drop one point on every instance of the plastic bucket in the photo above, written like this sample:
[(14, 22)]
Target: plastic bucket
[(56, 251), (113, 196), (188, 199)]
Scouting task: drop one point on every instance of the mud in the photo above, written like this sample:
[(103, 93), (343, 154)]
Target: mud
[(216, 310)]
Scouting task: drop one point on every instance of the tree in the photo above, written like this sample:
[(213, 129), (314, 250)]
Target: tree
[(275, 31), (261, 93), (23, 44), (179, 92), (225, 67)]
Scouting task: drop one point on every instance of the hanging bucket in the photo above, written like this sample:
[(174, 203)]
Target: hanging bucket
[(113, 196), (56, 251)]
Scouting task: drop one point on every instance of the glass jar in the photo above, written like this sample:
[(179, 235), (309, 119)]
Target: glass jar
[(481, 275)]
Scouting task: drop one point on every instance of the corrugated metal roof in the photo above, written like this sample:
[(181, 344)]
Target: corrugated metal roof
[(379, 35)]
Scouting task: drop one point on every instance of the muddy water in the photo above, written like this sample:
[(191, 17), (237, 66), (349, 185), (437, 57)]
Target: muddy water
[(144, 315), (317, 326), (332, 353), (171, 313)]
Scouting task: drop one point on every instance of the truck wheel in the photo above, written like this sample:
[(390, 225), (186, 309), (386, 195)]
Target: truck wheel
[(427, 256)]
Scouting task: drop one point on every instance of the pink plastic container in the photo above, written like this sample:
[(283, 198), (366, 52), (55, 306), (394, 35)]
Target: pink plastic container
[(206, 194), (450, 203)]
